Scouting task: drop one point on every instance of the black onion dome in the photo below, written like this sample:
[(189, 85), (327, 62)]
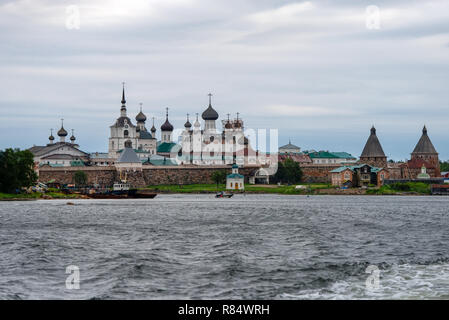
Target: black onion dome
[(62, 132), (72, 138), (153, 129), (228, 125), (141, 117), (210, 114), (188, 124), (167, 126), (51, 138)]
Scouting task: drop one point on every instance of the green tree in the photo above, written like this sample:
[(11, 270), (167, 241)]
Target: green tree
[(293, 172), (279, 176), (288, 171), (444, 166), (80, 178), (16, 170), (219, 177)]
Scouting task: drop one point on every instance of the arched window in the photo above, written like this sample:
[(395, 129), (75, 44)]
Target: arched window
[(126, 133)]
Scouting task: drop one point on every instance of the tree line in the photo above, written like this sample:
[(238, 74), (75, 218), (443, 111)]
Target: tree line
[(16, 170)]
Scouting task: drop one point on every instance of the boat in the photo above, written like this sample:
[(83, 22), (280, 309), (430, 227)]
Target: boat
[(222, 194), (122, 191), (129, 194)]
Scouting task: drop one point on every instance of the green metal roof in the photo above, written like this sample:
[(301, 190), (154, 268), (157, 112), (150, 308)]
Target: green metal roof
[(166, 147), (352, 168), (343, 155), (330, 155), (77, 163), (235, 175)]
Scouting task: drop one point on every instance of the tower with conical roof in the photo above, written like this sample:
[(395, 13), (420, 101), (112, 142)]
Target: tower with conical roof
[(123, 108), (424, 150), (122, 130), (372, 153)]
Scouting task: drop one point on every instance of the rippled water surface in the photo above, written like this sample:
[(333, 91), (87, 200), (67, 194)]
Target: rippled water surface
[(252, 247)]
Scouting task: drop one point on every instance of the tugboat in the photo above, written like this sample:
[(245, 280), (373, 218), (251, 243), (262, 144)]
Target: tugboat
[(122, 190), (221, 194)]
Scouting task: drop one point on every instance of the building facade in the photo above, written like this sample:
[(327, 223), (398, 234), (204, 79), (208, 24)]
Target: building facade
[(235, 181), (124, 130)]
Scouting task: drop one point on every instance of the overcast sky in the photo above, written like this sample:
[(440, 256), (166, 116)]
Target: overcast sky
[(314, 70)]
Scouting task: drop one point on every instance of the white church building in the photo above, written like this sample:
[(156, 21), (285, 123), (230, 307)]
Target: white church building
[(124, 130), (235, 181)]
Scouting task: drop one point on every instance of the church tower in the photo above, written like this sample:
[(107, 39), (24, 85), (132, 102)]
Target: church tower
[(425, 150), (166, 130), (210, 116), (373, 154), (62, 133), (122, 130)]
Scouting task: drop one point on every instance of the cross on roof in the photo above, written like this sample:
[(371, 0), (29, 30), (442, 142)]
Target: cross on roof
[(210, 98)]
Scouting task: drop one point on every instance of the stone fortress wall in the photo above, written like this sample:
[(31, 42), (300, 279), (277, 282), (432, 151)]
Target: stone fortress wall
[(154, 175), (170, 175)]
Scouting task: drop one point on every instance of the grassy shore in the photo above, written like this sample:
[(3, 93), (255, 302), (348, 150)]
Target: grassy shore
[(212, 188), (402, 188), (37, 195)]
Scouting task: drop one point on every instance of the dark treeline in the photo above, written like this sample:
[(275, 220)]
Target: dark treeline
[(16, 170)]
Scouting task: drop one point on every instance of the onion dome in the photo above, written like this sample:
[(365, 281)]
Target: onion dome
[(51, 138), (153, 128), (197, 124), (141, 116), (72, 138), (228, 124), (187, 124), (167, 126), (210, 113), (62, 132)]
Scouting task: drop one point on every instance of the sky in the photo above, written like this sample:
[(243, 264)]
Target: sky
[(321, 72)]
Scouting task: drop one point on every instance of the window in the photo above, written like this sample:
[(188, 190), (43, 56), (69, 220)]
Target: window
[(125, 133), (231, 184)]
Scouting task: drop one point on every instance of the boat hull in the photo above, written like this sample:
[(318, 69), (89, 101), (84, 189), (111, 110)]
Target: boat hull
[(131, 194)]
